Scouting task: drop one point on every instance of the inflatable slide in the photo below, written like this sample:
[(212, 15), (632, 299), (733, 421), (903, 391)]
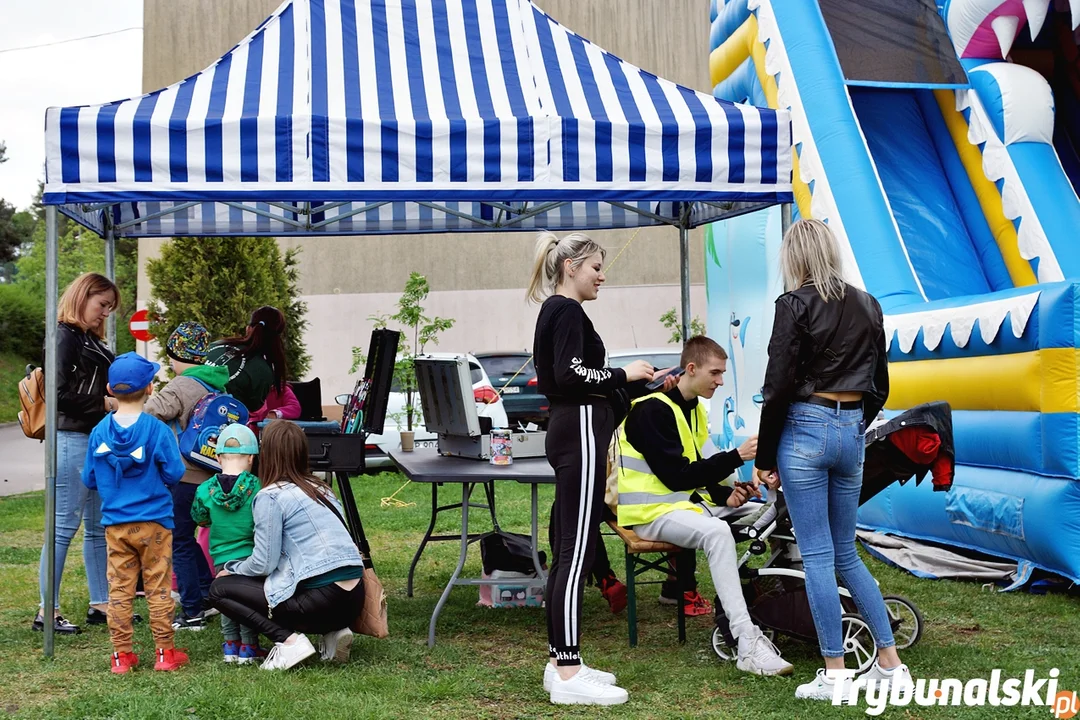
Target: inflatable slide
[(947, 171)]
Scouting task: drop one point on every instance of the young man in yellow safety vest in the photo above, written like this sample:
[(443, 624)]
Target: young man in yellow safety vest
[(669, 489)]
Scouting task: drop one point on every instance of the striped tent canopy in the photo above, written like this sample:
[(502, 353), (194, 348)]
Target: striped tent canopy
[(390, 116)]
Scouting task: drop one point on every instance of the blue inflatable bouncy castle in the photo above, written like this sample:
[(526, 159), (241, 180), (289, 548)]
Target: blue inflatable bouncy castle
[(942, 165)]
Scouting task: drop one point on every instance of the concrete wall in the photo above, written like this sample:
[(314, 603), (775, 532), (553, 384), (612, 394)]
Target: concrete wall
[(477, 279)]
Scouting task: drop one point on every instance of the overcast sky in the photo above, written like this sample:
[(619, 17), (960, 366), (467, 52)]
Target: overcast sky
[(90, 71)]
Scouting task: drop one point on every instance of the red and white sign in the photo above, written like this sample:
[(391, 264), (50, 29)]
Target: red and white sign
[(140, 326)]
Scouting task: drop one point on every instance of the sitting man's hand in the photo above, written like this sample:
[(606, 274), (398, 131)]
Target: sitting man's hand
[(739, 496), (223, 573), (770, 477), (748, 450)]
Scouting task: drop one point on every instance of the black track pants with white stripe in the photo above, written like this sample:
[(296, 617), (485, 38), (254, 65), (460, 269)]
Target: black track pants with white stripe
[(577, 443)]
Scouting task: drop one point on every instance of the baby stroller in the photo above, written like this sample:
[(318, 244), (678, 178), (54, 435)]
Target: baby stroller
[(912, 444)]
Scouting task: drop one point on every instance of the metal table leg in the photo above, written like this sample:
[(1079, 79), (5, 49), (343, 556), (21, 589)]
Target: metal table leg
[(535, 497), (356, 527), (466, 491), (427, 536)]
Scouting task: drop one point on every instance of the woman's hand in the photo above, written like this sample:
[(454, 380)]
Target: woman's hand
[(639, 370), (223, 573), (770, 477), (669, 381)]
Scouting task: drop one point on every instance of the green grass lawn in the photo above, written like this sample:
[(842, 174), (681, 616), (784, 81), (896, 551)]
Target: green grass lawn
[(488, 663), (12, 370)]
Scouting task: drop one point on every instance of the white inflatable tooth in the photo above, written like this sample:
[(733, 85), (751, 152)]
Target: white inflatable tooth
[(1036, 14), (1074, 5), (1004, 27)]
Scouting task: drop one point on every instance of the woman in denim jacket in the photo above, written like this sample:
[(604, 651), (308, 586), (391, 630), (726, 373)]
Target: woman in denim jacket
[(827, 376), (304, 575)]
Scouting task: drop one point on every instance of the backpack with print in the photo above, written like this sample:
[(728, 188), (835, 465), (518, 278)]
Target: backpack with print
[(214, 411)]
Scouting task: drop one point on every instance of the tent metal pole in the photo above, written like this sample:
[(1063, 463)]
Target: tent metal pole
[(110, 272), (785, 217), (51, 415), (684, 280)]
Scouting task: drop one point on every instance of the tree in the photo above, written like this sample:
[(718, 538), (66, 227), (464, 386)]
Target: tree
[(671, 321), (3, 152), (418, 327), (217, 282), (82, 251), (16, 228)]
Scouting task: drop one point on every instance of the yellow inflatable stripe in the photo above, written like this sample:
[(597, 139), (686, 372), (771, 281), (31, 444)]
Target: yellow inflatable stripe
[(730, 54), (989, 198), (1038, 381)]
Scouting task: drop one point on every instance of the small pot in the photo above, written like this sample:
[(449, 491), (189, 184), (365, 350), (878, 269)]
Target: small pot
[(408, 440)]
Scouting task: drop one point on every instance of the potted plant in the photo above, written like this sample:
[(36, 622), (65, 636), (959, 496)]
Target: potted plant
[(417, 330)]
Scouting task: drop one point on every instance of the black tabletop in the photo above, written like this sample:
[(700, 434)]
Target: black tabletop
[(426, 465)]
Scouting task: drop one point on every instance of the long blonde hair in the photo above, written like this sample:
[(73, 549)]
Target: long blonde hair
[(77, 295), (809, 255), (551, 253)]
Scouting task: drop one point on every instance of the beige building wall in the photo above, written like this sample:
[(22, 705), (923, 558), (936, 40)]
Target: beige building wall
[(477, 278)]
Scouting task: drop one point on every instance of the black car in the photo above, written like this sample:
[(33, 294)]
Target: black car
[(514, 378)]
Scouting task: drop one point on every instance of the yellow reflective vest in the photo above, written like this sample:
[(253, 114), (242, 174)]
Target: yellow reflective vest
[(642, 497)]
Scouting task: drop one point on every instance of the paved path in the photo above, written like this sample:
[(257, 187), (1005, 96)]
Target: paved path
[(22, 462)]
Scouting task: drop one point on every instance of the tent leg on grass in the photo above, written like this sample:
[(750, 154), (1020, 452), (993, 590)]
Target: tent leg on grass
[(51, 414)]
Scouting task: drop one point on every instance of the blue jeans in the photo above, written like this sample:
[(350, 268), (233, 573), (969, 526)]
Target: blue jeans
[(820, 461), (75, 504), (193, 576)]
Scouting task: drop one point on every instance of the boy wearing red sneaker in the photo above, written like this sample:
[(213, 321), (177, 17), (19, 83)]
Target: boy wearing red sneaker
[(132, 460)]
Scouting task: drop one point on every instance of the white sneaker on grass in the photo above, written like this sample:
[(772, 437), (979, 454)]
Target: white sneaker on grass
[(823, 686), (604, 678), (283, 657), (336, 645), (885, 678), (758, 656), (584, 689)]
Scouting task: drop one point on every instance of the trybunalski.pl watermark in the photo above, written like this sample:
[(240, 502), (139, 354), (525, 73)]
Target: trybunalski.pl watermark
[(977, 692)]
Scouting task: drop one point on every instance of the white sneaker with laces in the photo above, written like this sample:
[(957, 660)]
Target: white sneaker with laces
[(823, 686), (584, 689), (335, 645), (283, 657), (604, 678), (758, 656), (899, 675)]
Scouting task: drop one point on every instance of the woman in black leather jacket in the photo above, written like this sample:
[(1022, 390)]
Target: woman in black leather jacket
[(827, 377), (82, 401)]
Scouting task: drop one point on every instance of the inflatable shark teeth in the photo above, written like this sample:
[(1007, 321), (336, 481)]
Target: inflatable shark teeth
[(1074, 5), (1005, 27), (1036, 15), (960, 322)]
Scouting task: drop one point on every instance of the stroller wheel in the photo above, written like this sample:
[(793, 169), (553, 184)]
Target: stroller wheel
[(858, 642), (721, 648), (906, 620)]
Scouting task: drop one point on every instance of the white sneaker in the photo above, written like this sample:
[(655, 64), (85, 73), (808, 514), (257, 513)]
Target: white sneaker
[(822, 687), (758, 656), (899, 675), (585, 690), (604, 678), (283, 657), (335, 645)]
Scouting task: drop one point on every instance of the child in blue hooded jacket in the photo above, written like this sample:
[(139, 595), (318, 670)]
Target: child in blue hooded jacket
[(132, 460)]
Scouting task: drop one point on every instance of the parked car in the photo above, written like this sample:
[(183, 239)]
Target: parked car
[(514, 378), (378, 447)]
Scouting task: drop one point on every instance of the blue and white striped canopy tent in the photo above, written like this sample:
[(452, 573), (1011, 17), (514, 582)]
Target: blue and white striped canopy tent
[(397, 116)]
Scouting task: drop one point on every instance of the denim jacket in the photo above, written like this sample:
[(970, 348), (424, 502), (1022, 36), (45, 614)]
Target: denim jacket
[(296, 538)]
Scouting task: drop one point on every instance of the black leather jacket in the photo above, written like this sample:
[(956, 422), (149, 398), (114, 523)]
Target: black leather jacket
[(818, 346), (82, 373)]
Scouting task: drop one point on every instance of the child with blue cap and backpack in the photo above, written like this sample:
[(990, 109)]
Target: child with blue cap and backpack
[(224, 503)]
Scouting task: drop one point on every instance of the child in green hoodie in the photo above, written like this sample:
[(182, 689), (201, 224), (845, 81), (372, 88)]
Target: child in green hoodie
[(224, 503), (187, 347)]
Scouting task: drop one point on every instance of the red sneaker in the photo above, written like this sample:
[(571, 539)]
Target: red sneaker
[(120, 663), (614, 592), (694, 605), (170, 659)]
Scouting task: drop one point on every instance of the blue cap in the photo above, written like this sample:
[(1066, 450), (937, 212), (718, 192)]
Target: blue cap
[(242, 434), (130, 373)]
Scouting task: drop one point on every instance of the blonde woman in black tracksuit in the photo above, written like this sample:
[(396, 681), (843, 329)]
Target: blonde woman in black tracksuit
[(569, 358)]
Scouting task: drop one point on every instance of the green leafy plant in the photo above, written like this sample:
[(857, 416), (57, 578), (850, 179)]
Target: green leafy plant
[(671, 321), (217, 282), (417, 330)]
